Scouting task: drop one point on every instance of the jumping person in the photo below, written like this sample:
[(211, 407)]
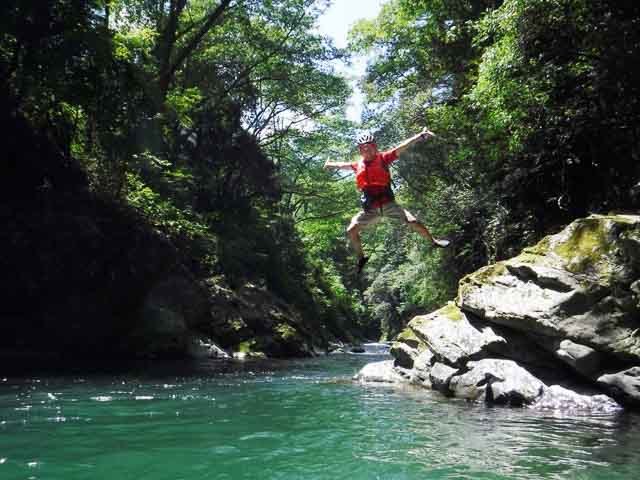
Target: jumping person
[(374, 181)]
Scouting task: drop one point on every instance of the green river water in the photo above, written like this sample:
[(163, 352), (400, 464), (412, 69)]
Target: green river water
[(301, 419)]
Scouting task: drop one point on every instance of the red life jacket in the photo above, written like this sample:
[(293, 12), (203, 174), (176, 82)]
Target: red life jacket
[(372, 174)]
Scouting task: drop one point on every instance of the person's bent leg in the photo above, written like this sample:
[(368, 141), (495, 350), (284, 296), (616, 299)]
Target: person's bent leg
[(353, 233), (416, 226), (362, 220), (396, 212)]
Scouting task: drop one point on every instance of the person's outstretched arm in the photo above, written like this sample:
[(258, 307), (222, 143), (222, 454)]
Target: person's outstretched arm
[(337, 165), (423, 135)]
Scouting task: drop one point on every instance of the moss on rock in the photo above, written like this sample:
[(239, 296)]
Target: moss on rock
[(286, 332), (451, 311), (408, 337), (246, 347), (479, 277), (585, 247)]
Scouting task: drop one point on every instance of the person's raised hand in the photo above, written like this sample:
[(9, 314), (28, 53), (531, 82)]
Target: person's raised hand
[(426, 133)]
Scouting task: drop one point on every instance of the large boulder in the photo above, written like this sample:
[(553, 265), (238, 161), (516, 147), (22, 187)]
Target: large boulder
[(584, 360), (578, 285), (440, 376), (565, 312), (497, 381), (452, 338), (575, 294), (379, 372), (559, 398), (623, 386)]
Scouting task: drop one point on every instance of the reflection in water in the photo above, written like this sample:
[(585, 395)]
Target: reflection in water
[(291, 420), (442, 434)]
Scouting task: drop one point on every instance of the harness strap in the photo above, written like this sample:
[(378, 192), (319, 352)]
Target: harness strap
[(368, 198)]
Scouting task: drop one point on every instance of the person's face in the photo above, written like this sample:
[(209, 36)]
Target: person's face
[(368, 151)]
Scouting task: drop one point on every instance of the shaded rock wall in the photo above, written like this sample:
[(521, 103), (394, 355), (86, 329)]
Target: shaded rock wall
[(85, 277)]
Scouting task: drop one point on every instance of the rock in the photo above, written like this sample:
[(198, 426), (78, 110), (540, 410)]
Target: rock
[(535, 353), (253, 315), (450, 336), (422, 363), (404, 355), (583, 359), (249, 355), (568, 309), (337, 351), (215, 351), (575, 285), (635, 288), (379, 372), (171, 307), (556, 397), (410, 339), (440, 376), (497, 381), (207, 348), (623, 386), (377, 348)]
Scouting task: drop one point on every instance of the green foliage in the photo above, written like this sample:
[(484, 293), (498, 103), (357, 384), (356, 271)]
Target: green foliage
[(214, 119), (535, 106), (161, 212), (192, 112)]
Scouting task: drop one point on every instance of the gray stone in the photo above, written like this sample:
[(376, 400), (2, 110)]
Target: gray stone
[(497, 381), (440, 376), (623, 386), (404, 355), (249, 355), (568, 306), (585, 360), (533, 353), (207, 348), (382, 372), (422, 363), (450, 336), (577, 285), (556, 397)]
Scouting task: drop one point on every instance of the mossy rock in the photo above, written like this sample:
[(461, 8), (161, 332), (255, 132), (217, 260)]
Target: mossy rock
[(409, 338), (478, 278), (575, 285), (586, 248), (603, 247), (451, 311)]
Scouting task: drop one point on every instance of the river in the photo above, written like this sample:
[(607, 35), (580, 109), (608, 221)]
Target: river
[(297, 419)]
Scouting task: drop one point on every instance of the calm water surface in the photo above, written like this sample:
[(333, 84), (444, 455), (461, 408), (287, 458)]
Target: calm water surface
[(290, 420)]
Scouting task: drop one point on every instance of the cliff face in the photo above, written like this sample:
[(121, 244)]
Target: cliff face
[(77, 271), (565, 312), (86, 277)]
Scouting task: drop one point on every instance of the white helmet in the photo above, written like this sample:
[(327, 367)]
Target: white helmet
[(365, 138)]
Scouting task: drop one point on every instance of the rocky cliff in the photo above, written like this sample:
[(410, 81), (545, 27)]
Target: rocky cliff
[(86, 277), (559, 321)]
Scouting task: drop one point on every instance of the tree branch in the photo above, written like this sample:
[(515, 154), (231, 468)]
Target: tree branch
[(169, 67)]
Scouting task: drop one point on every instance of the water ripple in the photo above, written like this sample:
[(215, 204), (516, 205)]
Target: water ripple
[(293, 420)]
